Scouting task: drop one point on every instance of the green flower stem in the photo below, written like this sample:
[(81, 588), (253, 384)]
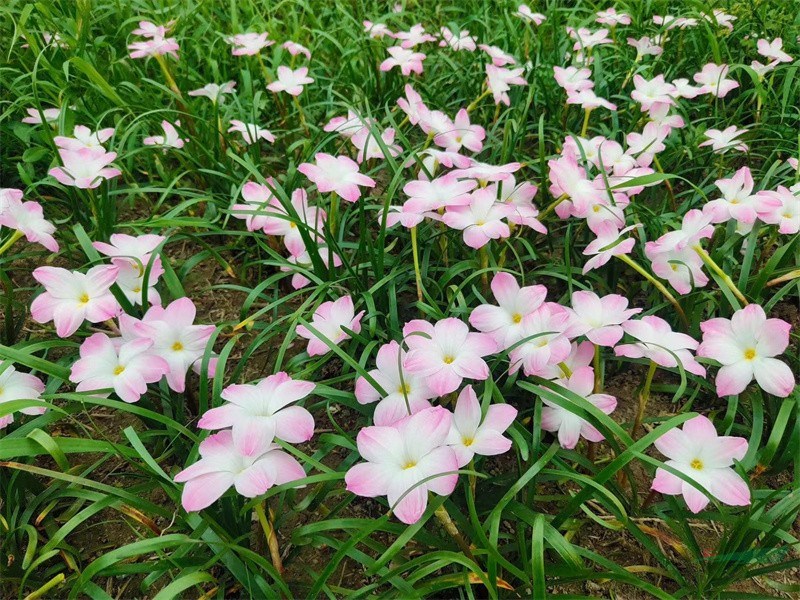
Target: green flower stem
[(670, 191), (269, 533), (552, 206), (598, 384), (42, 591), (782, 279), (643, 398), (415, 253), (722, 274), (565, 369), (302, 115), (450, 527), (477, 100), (333, 214), (483, 254), (10, 241), (658, 285), (585, 128)]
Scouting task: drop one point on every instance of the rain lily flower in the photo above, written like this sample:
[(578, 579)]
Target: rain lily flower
[(585, 38), (290, 81), (721, 18), (773, 50), (457, 40), (525, 13), (259, 413), (83, 138), (251, 133), (126, 368), (656, 340), (671, 22), (745, 345), (682, 268), (610, 242), (70, 297), (426, 197), (781, 208), (645, 46), (377, 30), (695, 227), (248, 44), (434, 122), (294, 49), (338, 174), (147, 29), (600, 318), (499, 58), (222, 465), (545, 332), (328, 322), (215, 92), (350, 125), (406, 461), (520, 199), (414, 36), (462, 134), (571, 427), (412, 105), (299, 256), (408, 60), (170, 139), (727, 139), (588, 100), (653, 91), (481, 220), (612, 18), (705, 457), (712, 80), (763, 70), (156, 46), (173, 337), (499, 82), (27, 218), (580, 355), (261, 208), (504, 322), (50, 115), (573, 79), (446, 353), (133, 254), (85, 168), (8, 195), (368, 146), (486, 173), (683, 89), (403, 391), (470, 435), (18, 386), (738, 201)]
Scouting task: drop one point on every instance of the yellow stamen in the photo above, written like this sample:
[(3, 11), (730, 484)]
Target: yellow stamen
[(409, 465), (84, 298), (177, 346), (516, 318), (696, 464), (448, 360), (750, 354), (404, 389), (119, 369)]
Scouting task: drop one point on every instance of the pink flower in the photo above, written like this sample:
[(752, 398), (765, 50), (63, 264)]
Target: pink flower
[(290, 81), (51, 115), (481, 220), (377, 30), (499, 58), (645, 46), (524, 13), (300, 256), (671, 22), (580, 355), (571, 427), (28, 219), (656, 340), (546, 341), (403, 391), (338, 174), (84, 137), (328, 321), (446, 353), (695, 227), (773, 50), (462, 134), (585, 38), (610, 242), (721, 18), (650, 92), (259, 413), (70, 297), (600, 319), (612, 18), (745, 345), (261, 208), (170, 139), (294, 49), (682, 268), (147, 29), (18, 386), (470, 435), (706, 458), (368, 147), (133, 254), (727, 139), (441, 192), (157, 46), (408, 60), (573, 79), (85, 168), (126, 368), (781, 207), (8, 195), (457, 40), (406, 461), (222, 465), (505, 321), (684, 90), (738, 202), (215, 92), (712, 80), (500, 80), (588, 100), (414, 36), (412, 105), (519, 199), (350, 125), (248, 44), (251, 133), (485, 173), (173, 337)]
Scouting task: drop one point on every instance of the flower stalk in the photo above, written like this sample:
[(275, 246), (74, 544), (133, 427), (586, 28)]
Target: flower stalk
[(657, 284), (415, 253), (722, 274), (643, 399), (269, 534), (10, 241)]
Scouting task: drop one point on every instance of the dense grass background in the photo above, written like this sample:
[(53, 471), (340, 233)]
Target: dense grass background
[(87, 501)]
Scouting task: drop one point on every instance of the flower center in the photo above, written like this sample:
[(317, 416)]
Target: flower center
[(410, 464), (119, 369), (84, 298), (177, 346), (696, 464), (467, 442), (404, 389), (448, 359), (750, 354), (516, 318)]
